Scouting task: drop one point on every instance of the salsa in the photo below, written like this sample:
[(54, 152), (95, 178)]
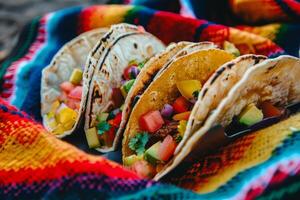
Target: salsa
[(161, 131), (107, 123), (64, 110)]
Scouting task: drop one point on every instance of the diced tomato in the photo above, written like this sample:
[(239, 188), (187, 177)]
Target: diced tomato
[(111, 134), (151, 121), (72, 103), (182, 116), (269, 110), (126, 73), (181, 105), (116, 121), (117, 97), (143, 169), (66, 86), (76, 93), (167, 148)]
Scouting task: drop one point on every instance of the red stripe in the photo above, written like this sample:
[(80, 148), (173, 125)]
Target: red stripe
[(64, 168), (165, 24)]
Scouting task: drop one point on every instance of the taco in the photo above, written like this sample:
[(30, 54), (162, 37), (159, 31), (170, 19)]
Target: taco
[(267, 94), (158, 121), (120, 59), (61, 85)]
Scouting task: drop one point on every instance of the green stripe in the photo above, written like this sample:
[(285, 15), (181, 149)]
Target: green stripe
[(25, 40)]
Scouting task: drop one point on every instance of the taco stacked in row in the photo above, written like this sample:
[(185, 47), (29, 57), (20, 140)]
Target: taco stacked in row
[(165, 102), (165, 115), (92, 76)]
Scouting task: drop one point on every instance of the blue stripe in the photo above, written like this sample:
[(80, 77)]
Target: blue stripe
[(13, 112), (286, 8), (200, 29)]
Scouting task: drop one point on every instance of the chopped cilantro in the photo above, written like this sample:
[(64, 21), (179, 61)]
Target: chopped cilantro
[(178, 138), (141, 64), (102, 127), (139, 142)]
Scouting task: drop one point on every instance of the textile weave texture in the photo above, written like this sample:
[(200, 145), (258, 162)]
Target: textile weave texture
[(35, 165)]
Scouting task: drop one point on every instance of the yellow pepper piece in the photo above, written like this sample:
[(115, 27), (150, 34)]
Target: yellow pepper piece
[(92, 138), (182, 116), (188, 87), (69, 124), (59, 130), (54, 107), (52, 123), (76, 76), (66, 115), (182, 126)]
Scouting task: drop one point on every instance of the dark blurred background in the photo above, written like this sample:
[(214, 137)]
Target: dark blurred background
[(15, 13)]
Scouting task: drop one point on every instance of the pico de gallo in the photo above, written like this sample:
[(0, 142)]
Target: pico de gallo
[(107, 123), (64, 110), (161, 131), (254, 117)]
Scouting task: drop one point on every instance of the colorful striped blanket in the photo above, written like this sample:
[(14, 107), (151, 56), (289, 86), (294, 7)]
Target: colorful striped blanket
[(35, 165)]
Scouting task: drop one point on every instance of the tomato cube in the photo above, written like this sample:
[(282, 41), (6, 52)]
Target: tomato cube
[(76, 93), (151, 121), (143, 169), (269, 110), (66, 86), (116, 121), (181, 105), (167, 148)]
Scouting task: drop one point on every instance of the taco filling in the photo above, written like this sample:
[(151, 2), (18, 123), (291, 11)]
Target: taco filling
[(64, 110), (161, 131), (257, 116), (107, 123)]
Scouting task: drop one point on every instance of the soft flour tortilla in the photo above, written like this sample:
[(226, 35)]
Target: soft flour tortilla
[(215, 89), (71, 56), (275, 80), (137, 45), (145, 77), (154, 67), (197, 65)]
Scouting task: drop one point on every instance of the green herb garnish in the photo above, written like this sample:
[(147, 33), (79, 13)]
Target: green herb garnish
[(178, 138), (128, 85), (141, 64), (103, 127), (139, 142)]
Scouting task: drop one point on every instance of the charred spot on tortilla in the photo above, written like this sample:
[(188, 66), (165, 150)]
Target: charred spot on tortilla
[(257, 59), (204, 92), (104, 71), (218, 73), (135, 45), (269, 68), (96, 91), (230, 65), (99, 45)]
